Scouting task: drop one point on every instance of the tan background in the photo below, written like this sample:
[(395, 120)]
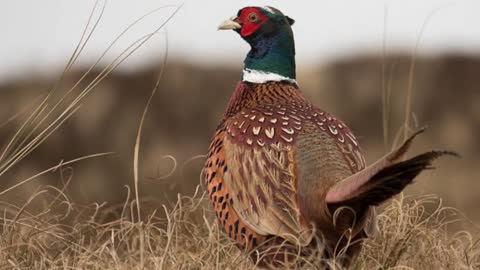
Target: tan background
[(191, 99)]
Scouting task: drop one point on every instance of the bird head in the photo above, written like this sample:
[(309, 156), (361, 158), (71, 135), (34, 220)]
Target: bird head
[(257, 21), (269, 33)]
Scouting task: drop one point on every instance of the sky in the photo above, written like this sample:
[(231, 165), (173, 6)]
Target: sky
[(37, 36)]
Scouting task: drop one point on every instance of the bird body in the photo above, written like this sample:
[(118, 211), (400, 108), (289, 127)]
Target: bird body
[(269, 138), (278, 167)]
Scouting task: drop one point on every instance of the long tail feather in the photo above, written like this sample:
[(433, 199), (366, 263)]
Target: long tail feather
[(391, 180), (346, 188)]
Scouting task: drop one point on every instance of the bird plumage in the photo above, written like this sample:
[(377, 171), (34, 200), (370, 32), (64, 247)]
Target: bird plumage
[(279, 168), (269, 138)]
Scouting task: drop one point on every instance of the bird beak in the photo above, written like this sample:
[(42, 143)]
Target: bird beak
[(229, 24)]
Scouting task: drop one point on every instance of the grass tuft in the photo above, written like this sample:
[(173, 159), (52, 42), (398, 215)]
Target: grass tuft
[(61, 234)]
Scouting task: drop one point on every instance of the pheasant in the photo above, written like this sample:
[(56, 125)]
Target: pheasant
[(280, 170)]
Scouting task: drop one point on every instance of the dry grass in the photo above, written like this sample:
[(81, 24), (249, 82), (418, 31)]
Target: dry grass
[(49, 231)]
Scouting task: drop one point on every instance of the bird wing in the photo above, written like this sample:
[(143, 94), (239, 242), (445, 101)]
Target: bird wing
[(322, 161), (262, 175)]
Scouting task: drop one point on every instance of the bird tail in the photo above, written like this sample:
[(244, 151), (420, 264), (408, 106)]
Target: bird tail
[(382, 180)]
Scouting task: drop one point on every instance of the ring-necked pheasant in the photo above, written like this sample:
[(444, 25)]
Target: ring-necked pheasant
[(279, 167)]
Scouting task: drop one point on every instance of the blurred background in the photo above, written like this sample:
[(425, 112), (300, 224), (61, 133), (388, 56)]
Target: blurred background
[(349, 54)]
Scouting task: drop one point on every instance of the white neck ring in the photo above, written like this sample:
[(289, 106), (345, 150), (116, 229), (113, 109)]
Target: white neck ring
[(257, 76)]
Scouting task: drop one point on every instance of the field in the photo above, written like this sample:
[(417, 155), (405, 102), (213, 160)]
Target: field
[(91, 179), (84, 215)]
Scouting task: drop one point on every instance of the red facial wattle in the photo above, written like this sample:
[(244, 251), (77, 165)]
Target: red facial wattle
[(245, 19)]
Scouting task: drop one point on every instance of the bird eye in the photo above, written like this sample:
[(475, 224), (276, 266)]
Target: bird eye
[(253, 17)]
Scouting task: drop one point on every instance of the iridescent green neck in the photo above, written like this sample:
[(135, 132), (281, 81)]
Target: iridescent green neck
[(271, 58)]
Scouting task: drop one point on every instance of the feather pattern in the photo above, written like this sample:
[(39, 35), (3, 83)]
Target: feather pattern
[(263, 145), (221, 196)]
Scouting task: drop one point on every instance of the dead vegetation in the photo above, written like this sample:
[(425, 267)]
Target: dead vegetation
[(50, 231)]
